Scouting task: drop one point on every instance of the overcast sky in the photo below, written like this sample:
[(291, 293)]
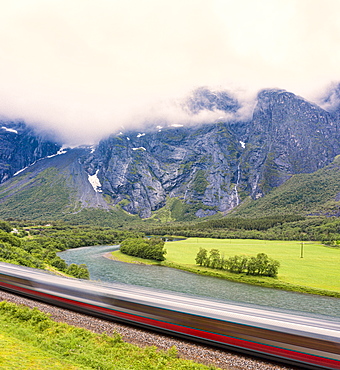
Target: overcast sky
[(87, 67)]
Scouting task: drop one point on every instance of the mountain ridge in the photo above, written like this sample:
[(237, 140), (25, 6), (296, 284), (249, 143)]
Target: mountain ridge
[(211, 168)]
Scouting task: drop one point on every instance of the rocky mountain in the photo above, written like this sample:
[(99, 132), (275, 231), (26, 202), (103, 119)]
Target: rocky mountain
[(206, 169), (20, 147), (288, 135)]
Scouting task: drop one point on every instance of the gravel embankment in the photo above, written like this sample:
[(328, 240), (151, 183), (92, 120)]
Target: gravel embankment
[(188, 350)]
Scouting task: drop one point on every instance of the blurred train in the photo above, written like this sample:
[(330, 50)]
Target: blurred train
[(305, 341)]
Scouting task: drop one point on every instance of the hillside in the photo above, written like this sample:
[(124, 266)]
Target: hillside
[(306, 194), (50, 188)]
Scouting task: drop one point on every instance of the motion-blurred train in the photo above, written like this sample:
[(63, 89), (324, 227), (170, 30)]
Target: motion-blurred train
[(305, 341)]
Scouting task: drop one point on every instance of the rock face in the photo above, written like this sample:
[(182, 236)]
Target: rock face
[(210, 167), (21, 147), (287, 135), (196, 165), (216, 165)]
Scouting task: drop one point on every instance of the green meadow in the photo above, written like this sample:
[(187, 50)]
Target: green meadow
[(319, 268), (317, 272)]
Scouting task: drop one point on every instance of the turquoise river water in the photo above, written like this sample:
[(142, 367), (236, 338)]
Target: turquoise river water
[(159, 277)]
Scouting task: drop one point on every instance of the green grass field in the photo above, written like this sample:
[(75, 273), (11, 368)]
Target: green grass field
[(319, 268), (29, 340)]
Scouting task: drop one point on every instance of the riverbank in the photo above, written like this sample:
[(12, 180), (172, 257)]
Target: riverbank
[(128, 259), (267, 282)]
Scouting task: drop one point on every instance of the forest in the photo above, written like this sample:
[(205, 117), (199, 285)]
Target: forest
[(288, 227)]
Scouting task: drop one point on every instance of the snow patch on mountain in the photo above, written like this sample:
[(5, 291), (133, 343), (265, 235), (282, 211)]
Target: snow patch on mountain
[(94, 181), (59, 152), (9, 130)]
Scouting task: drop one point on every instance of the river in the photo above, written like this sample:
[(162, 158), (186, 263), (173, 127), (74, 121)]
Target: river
[(160, 277)]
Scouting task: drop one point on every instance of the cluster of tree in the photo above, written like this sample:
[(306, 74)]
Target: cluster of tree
[(239, 223), (259, 265), (46, 254), (152, 248), (66, 236), (41, 249), (48, 240)]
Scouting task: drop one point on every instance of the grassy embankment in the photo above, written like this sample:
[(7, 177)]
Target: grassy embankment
[(29, 339), (316, 273)]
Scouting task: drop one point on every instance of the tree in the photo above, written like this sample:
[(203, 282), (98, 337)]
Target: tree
[(78, 271), (5, 226), (233, 263), (251, 266), (262, 261), (243, 262), (58, 263), (272, 268), (202, 257), (214, 258)]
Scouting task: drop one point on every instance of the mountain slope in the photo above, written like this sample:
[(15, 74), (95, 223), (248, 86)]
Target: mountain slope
[(287, 136), (202, 169), (316, 193), (50, 188), (197, 165), (20, 146)]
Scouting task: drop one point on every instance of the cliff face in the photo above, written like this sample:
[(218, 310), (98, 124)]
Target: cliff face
[(210, 167), (196, 165), (216, 165), (287, 135), (21, 147)]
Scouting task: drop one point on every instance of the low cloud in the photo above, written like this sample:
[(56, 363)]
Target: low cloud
[(83, 69)]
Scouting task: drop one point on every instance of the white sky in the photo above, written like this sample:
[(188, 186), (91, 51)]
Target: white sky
[(87, 67)]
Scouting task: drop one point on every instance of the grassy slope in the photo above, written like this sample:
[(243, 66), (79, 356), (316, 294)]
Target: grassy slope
[(30, 340), (16, 354), (47, 196)]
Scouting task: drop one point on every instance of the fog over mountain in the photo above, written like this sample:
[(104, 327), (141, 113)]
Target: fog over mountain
[(183, 171), (85, 69)]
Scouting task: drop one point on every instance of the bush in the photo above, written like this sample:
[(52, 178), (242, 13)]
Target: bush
[(78, 271)]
